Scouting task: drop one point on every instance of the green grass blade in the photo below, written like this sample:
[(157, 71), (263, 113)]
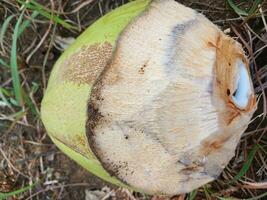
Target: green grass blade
[(3, 63), (192, 195), (19, 191), (27, 22), (41, 6), (13, 62), (247, 164), (237, 9), (256, 3), (4, 29), (18, 115), (6, 92), (4, 99), (30, 104), (206, 190), (22, 27), (44, 12)]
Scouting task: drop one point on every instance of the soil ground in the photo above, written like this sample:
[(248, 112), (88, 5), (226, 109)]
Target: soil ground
[(28, 156)]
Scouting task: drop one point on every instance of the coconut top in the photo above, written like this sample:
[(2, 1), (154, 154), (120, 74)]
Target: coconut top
[(168, 110)]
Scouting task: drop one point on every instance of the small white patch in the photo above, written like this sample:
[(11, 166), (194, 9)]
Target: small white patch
[(243, 87)]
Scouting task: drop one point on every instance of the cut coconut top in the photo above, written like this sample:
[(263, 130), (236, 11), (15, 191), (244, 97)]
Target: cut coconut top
[(159, 117)]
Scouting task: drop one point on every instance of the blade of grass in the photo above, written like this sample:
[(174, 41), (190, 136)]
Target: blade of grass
[(30, 104), (41, 6), (27, 22), (3, 63), (6, 92), (13, 62), (246, 165), (239, 11), (43, 11), (236, 8), (22, 27), (254, 7), (13, 102), (18, 115), (2, 96), (207, 193), (192, 195), (14, 193), (4, 29)]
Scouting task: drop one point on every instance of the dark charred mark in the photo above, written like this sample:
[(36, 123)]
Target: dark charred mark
[(228, 92), (93, 113), (126, 137), (93, 117), (234, 93), (142, 68), (117, 168), (229, 64)]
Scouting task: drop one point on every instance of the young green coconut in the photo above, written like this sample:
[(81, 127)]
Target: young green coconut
[(152, 96)]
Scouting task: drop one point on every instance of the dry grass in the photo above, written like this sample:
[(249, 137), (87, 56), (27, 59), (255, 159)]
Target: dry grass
[(27, 156)]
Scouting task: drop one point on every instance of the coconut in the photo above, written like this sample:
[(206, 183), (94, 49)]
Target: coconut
[(152, 96)]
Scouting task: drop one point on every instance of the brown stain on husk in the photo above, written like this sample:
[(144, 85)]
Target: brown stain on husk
[(84, 66)]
